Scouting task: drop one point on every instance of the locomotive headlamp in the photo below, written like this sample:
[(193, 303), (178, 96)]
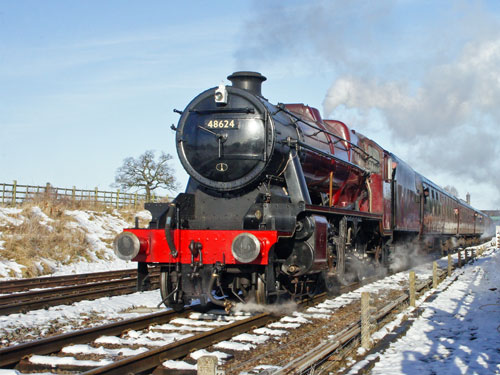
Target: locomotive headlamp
[(221, 94), (126, 246), (245, 247)]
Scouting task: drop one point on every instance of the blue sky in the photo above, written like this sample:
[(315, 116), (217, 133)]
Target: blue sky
[(85, 84)]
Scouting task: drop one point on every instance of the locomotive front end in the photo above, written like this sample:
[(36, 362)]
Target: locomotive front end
[(214, 240), (224, 139), (240, 231)]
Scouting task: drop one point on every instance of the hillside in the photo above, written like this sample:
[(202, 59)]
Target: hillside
[(59, 236)]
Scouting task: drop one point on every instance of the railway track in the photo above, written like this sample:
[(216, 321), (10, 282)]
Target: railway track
[(317, 356), (14, 354), (21, 285), (32, 356), (326, 353), (225, 327), (120, 348), (59, 290)]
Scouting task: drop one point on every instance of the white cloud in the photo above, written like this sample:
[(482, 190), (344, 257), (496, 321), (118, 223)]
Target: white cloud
[(452, 118)]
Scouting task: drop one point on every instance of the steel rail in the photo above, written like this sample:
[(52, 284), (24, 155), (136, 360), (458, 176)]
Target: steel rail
[(9, 356), (19, 302), (13, 354), (20, 285), (323, 296), (151, 359)]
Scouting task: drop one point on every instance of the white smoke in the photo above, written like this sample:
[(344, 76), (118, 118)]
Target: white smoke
[(357, 269), (452, 97), (282, 308), (451, 120), (406, 256), (422, 79)]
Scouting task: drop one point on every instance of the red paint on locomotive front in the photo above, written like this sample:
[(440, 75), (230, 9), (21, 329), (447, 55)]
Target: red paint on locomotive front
[(216, 245)]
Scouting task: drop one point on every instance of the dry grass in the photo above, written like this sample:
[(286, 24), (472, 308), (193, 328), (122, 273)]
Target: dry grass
[(129, 213), (49, 201), (37, 242)]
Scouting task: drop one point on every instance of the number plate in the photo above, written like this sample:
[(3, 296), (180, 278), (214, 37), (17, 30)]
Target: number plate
[(222, 124)]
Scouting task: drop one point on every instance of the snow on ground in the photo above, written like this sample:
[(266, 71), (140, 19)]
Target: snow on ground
[(10, 216), (69, 317), (458, 331), (100, 228), (43, 218), (6, 266), (98, 265)]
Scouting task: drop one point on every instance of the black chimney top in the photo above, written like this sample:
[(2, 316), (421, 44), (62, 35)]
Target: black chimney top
[(250, 81)]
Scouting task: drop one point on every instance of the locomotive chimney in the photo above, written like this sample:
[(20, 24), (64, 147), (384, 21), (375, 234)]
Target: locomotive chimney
[(250, 81)]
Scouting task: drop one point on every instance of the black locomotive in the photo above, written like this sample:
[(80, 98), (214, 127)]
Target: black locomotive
[(280, 202)]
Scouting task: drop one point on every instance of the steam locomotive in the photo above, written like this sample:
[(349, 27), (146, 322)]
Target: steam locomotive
[(281, 202)]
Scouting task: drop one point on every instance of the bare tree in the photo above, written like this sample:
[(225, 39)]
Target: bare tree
[(146, 173), (452, 190)]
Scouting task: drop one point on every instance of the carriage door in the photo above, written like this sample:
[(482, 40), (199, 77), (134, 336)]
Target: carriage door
[(387, 187), (421, 199)]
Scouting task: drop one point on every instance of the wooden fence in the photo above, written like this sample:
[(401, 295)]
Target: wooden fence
[(13, 194)]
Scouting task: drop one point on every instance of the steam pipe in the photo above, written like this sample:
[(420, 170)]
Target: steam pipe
[(369, 188), (210, 288), (168, 235)]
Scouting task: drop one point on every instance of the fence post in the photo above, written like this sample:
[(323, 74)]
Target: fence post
[(3, 194), (207, 365), (434, 275), (14, 190), (412, 288), (73, 193), (367, 319), (460, 258), (449, 265), (497, 235), (118, 198)]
